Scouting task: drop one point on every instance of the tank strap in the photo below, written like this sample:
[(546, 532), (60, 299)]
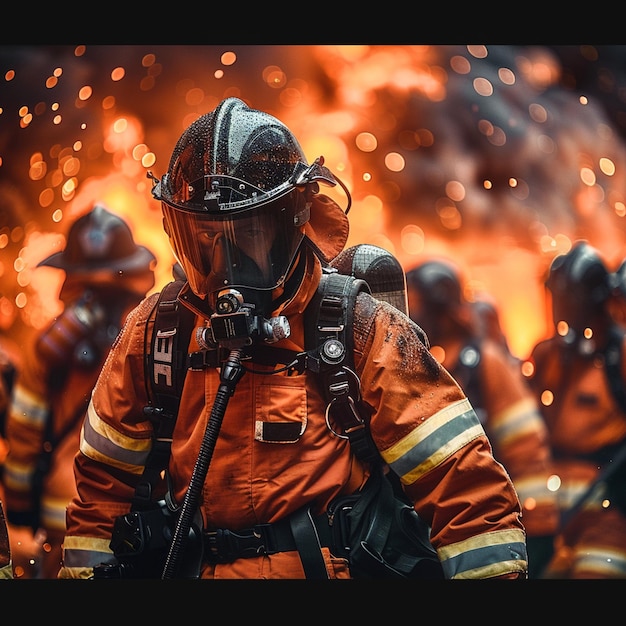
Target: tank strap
[(165, 364), (329, 331)]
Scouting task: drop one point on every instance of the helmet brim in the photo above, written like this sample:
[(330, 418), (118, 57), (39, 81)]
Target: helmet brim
[(138, 261)]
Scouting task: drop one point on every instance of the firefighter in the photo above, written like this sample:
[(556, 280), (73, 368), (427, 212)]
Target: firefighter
[(480, 361), (578, 376), (106, 275), (246, 220)]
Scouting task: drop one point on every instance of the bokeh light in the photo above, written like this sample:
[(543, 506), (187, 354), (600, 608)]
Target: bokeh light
[(497, 156)]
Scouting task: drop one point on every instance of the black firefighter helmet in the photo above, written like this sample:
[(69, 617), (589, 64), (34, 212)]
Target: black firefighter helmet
[(437, 284), (580, 285), (235, 200), (101, 252)]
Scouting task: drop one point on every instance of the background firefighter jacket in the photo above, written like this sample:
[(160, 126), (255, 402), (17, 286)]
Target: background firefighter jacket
[(44, 419), (32, 405), (510, 415), (275, 452), (587, 430), (508, 410)]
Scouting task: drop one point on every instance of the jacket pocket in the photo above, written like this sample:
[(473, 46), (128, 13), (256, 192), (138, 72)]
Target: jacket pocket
[(281, 410)]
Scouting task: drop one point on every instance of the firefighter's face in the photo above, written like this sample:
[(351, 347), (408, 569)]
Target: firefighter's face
[(229, 245)]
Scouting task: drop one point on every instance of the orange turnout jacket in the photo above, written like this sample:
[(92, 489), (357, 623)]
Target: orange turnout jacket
[(35, 402), (587, 429), (421, 421), (519, 437)]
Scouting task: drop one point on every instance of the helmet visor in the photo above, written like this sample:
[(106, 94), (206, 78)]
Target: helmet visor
[(251, 249)]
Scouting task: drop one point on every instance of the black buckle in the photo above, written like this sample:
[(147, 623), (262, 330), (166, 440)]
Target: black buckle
[(338, 511), (224, 545)]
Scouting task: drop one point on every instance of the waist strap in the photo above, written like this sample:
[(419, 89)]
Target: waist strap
[(222, 545)]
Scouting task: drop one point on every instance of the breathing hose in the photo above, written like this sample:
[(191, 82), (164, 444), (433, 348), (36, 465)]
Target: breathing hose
[(230, 374)]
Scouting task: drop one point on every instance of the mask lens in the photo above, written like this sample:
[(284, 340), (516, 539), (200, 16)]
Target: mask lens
[(251, 249)]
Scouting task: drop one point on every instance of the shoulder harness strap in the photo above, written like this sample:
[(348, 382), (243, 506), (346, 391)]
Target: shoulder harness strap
[(166, 357), (329, 315), (165, 368)]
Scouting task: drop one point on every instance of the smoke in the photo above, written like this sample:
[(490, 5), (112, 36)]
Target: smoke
[(500, 156)]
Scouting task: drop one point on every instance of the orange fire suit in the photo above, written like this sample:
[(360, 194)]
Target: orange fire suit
[(587, 428), (516, 429), (39, 398), (34, 402), (421, 422)]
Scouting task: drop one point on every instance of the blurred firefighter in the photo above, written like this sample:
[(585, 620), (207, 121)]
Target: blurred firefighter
[(106, 275), (24, 549), (578, 375), (467, 339), (486, 320)]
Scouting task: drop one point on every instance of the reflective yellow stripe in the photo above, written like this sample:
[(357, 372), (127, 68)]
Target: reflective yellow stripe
[(27, 407), (433, 441), (427, 428), (102, 443), (480, 541), (516, 421)]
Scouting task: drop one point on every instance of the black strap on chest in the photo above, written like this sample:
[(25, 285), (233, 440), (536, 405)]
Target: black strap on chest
[(329, 322), (329, 326), (167, 352), (166, 364)]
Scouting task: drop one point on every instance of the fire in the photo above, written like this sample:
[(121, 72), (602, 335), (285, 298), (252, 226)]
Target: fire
[(479, 153)]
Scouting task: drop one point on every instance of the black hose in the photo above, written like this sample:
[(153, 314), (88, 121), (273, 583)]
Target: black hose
[(230, 374)]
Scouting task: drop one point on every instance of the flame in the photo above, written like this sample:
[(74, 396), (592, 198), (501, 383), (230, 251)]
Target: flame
[(479, 153)]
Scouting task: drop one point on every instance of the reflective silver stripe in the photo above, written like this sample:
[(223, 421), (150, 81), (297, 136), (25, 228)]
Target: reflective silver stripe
[(17, 476), (84, 552), (433, 441), (27, 407), (605, 561), (521, 419), (570, 492), (102, 443), (486, 555), (53, 512), (535, 487)]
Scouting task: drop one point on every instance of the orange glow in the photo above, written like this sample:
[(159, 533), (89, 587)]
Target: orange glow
[(228, 58), (547, 397), (439, 353), (501, 180)]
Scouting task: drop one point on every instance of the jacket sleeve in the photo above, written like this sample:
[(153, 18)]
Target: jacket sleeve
[(429, 434), (114, 444), (520, 439), (27, 413)]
